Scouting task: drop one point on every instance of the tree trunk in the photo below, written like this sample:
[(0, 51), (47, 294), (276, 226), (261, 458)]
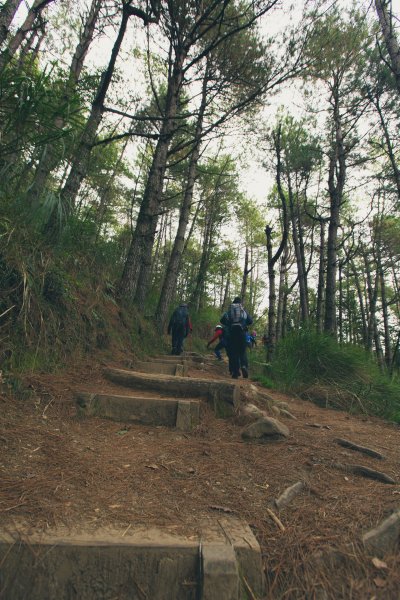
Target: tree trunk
[(389, 145), (51, 156), (281, 294), (23, 31), (198, 292), (294, 217), (336, 181), (364, 331), (246, 271), (372, 299), (340, 307), (385, 312), (175, 260), (389, 36), (270, 345), (144, 279), (226, 292), (142, 239), (321, 279), (82, 153), (7, 14)]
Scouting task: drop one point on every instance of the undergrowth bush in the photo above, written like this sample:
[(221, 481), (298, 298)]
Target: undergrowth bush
[(317, 368)]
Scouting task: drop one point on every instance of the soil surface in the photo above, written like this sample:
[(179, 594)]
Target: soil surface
[(58, 470)]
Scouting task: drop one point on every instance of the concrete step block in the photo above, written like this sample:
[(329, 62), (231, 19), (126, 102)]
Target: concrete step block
[(223, 395), (188, 414), (146, 411), (142, 563), (98, 566), (165, 368), (220, 572)]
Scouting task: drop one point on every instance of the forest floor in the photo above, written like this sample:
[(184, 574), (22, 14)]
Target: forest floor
[(58, 470)]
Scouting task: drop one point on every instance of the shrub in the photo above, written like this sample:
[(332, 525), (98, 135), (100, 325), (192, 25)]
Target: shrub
[(316, 367)]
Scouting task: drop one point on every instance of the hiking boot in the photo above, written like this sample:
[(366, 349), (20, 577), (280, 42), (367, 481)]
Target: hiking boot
[(245, 372), (235, 376)]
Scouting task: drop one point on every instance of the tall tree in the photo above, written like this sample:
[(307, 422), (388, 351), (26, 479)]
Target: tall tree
[(194, 31), (385, 15), (82, 152), (50, 156), (336, 48), (7, 13), (15, 42)]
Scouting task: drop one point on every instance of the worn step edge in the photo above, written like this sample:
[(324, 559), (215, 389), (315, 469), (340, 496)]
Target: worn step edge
[(223, 395), (170, 412), (213, 565), (165, 368)]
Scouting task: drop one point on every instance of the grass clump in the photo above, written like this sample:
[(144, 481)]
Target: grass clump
[(317, 368)]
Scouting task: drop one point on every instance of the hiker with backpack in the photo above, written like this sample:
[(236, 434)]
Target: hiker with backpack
[(236, 321), (179, 327), (220, 336)]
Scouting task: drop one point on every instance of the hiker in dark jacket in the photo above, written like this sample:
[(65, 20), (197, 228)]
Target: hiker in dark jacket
[(236, 321), (180, 327)]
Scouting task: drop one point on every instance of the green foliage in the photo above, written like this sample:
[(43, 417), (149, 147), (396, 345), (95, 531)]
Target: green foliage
[(316, 367), (204, 322), (30, 101)]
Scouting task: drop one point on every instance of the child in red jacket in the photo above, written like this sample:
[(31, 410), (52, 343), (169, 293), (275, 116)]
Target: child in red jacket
[(218, 335)]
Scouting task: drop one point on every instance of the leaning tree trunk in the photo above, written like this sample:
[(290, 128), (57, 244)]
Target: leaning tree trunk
[(142, 240), (51, 156), (389, 36), (175, 260), (82, 153), (7, 14), (23, 31), (389, 145)]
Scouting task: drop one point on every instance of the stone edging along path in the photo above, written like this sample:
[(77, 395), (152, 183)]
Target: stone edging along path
[(222, 563)]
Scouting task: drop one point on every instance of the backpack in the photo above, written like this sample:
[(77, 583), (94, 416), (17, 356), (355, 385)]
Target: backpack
[(180, 317), (236, 314)]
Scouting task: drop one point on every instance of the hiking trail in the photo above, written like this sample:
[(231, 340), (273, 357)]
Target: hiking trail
[(163, 479)]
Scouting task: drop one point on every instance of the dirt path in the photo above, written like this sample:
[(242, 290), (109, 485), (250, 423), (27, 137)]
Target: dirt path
[(59, 470)]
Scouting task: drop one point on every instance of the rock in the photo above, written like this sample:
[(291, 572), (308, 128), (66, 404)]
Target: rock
[(288, 414), (385, 538), (251, 410), (283, 405), (265, 429), (275, 410)]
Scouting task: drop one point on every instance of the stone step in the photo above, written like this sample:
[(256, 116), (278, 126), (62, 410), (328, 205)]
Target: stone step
[(170, 412), (224, 396), (191, 358), (166, 367), (222, 563)]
